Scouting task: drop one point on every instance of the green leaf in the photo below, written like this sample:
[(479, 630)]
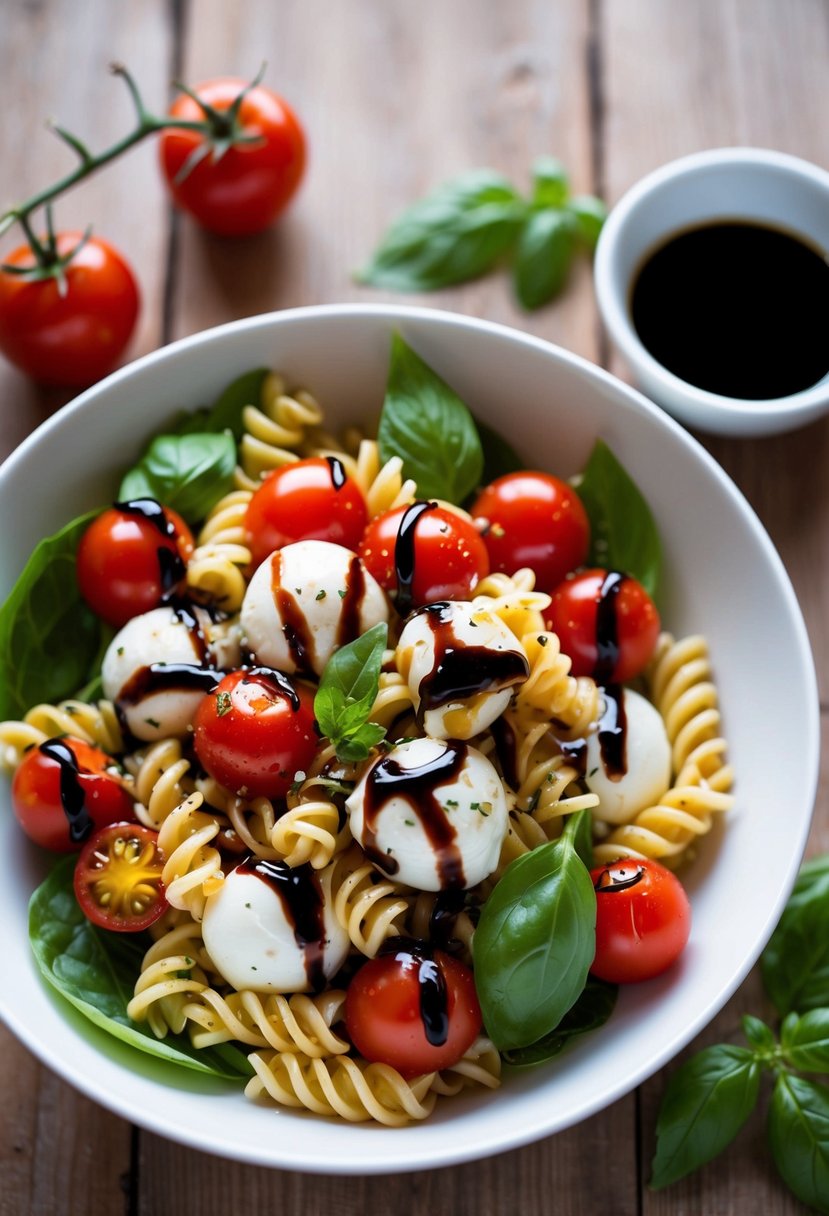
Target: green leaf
[(545, 250), (535, 942), (359, 744), (347, 692), (227, 411), (795, 963), (623, 534), (550, 184), (799, 1138), (188, 473), (425, 423), (43, 613), (590, 214), (591, 1010), (760, 1036), (500, 457), (706, 1102), (455, 234), (96, 971), (805, 1040)]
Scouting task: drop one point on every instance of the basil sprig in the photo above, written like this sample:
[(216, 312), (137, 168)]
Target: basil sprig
[(346, 694), (188, 473)]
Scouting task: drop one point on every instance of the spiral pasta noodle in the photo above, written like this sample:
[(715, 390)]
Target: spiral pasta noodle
[(479, 1065), (159, 781), (93, 722), (250, 820), (192, 867), (216, 569), (369, 907), (298, 1023), (173, 968), (273, 430)]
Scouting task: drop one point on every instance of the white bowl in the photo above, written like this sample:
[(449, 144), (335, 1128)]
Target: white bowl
[(722, 577), (724, 184)]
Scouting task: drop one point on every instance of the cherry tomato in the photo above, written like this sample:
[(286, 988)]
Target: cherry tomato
[(131, 558), (305, 500), (246, 187), (536, 520), (435, 554), (413, 1008), (606, 623), (76, 338), (255, 732), (643, 920), (64, 790), (118, 878)]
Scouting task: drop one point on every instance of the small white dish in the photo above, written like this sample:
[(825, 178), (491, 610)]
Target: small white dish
[(728, 184)]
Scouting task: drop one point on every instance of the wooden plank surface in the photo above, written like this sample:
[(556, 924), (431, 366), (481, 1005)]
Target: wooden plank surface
[(395, 99)]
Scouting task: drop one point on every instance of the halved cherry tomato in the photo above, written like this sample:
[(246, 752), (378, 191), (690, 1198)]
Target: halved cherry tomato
[(64, 790), (131, 558), (413, 1008), (118, 880), (306, 500), (241, 188), (536, 520), (643, 920), (425, 553), (76, 337), (255, 732), (606, 623)]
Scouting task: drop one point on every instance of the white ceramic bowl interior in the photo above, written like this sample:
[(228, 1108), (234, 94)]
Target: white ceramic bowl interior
[(722, 577), (724, 184)]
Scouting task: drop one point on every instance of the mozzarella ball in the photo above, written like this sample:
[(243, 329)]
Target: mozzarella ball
[(268, 928), (307, 600), (155, 703), (461, 663), (647, 761), (431, 813)]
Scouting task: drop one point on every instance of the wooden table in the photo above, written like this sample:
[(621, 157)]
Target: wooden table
[(395, 98)]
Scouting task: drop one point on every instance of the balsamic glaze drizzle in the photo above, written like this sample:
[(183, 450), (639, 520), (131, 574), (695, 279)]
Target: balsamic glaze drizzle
[(612, 732), (337, 472), (432, 991), (72, 796), (619, 877), (300, 894), (461, 671), (607, 627), (404, 554), (171, 565)]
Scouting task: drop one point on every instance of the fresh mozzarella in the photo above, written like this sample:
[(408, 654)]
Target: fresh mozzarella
[(432, 813), (646, 760), (269, 928), (461, 663), (305, 601)]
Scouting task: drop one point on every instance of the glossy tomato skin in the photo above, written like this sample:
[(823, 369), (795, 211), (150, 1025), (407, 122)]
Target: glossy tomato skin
[(255, 732), (536, 520), (305, 500), (643, 920), (76, 338), (118, 878), (607, 624), (385, 1019), (131, 558), (249, 185), (62, 793), (449, 558)]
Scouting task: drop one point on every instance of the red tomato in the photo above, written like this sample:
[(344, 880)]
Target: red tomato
[(118, 878), (535, 520), (64, 790), (76, 338), (413, 1008), (305, 500), (643, 920), (434, 553), (131, 558), (243, 189), (606, 623), (255, 732)]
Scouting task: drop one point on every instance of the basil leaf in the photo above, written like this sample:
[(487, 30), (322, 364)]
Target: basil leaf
[(550, 184), (226, 412), (50, 641), (500, 457), (457, 233), (545, 250), (425, 423), (805, 1041), (760, 1036), (590, 214), (359, 744), (795, 963), (535, 942), (346, 694), (799, 1138), (812, 881), (623, 534), (188, 473), (591, 1010), (96, 971), (706, 1102)]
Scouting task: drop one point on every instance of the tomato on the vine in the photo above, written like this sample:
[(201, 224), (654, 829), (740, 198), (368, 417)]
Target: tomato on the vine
[(256, 731), (237, 186), (643, 920), (536, 520), (425, 553), (70, 334), (606, 622), (310, 499), (118, 878), (131, 558), (63, 790), (412, 1008)]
